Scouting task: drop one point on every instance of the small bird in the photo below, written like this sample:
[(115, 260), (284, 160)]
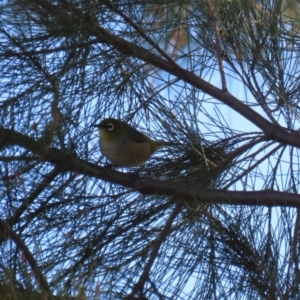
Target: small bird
[(125, 146)]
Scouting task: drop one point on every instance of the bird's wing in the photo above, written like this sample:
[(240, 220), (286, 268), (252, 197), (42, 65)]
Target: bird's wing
[(137, 136)]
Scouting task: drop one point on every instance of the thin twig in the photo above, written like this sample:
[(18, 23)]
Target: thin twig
[(48, 178), (7, 231), (295, 243), (156, 246), (218, 44), (140, 31), (249, 169)]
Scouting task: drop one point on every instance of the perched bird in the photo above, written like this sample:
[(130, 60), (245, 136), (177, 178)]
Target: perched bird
[(125, 146)]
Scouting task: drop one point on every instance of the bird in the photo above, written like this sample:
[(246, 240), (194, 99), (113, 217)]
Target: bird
[(124, 145)]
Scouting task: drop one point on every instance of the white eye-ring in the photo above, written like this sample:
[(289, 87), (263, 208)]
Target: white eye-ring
[(110, 127)]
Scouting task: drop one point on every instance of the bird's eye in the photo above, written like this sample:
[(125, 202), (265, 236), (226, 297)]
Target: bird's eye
[(110, 127)]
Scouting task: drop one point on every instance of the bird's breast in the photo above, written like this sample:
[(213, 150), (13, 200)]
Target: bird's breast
[(126, 153)]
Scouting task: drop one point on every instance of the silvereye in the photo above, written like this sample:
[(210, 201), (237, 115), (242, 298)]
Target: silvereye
[(124, 145)]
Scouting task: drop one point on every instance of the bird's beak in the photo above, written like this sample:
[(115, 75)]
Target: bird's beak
[(96, 125)]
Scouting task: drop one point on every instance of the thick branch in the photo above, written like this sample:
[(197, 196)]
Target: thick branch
[(131, 49), (68, 162), (272, 131)]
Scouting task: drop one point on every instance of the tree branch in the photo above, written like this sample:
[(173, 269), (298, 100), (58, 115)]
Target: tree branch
[(144, 185), (272, 131), (48, 178), (139, 286), (6, 229)]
